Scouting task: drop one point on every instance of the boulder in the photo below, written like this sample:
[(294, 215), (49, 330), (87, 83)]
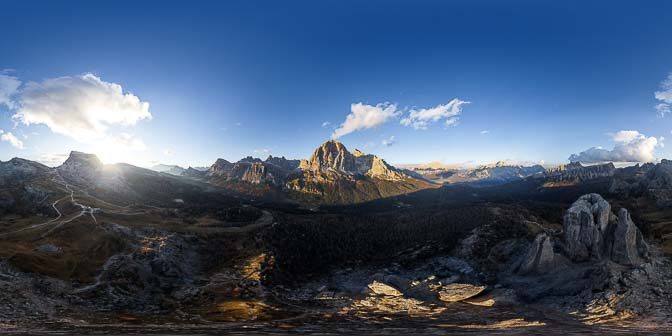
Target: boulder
[(455, 292), (383, 289)]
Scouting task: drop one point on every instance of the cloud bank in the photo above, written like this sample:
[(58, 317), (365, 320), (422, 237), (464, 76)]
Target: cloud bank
[(420, 119), (631, 146), (664, 96), (363, 116), (80, 107)]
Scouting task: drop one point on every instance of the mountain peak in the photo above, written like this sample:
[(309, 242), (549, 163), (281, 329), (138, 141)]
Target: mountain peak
[(81, 167), (331, 155), (80, 158)]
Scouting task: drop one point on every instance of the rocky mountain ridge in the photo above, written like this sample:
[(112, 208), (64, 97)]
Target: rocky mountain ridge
[(574, 173), (332, 174)]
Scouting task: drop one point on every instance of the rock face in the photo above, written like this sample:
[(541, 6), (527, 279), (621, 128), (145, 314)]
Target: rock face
[(81, 168), (628, 246), (283, 163), (335, 175), (592, 231), (540, 257), (584, 225), (332, 156), (251, 170)]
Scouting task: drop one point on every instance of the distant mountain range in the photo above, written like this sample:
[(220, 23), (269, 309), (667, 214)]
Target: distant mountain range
[(174, 169), (490, 174), (332, 175)]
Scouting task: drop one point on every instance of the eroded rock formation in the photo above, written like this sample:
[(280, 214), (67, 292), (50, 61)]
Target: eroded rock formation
[(540, 257), (592, 231)]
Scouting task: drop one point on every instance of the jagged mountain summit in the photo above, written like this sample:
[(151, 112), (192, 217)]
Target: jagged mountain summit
[(332, 156), (574, 173), (331, 175), (335, 175)]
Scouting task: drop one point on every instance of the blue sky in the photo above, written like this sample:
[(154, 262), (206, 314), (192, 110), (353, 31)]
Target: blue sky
[(544, 80)]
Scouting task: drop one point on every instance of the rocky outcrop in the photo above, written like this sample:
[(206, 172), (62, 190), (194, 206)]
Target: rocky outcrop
[(592, 232), (598, 268), (540, 257), (584, 225), (456, 292), (627, 246)]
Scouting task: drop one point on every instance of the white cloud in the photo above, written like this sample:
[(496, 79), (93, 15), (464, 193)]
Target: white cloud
[(9, 85), (80, 107), (664, 96), (363, 116), (484, 132), (12, 139), (631, 146), (420, 119), (325, 124), (389, 141), (625, 136)]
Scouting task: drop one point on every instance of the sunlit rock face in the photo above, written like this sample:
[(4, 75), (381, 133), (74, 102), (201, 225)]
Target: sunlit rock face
[(81, 168), (333, 156)]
